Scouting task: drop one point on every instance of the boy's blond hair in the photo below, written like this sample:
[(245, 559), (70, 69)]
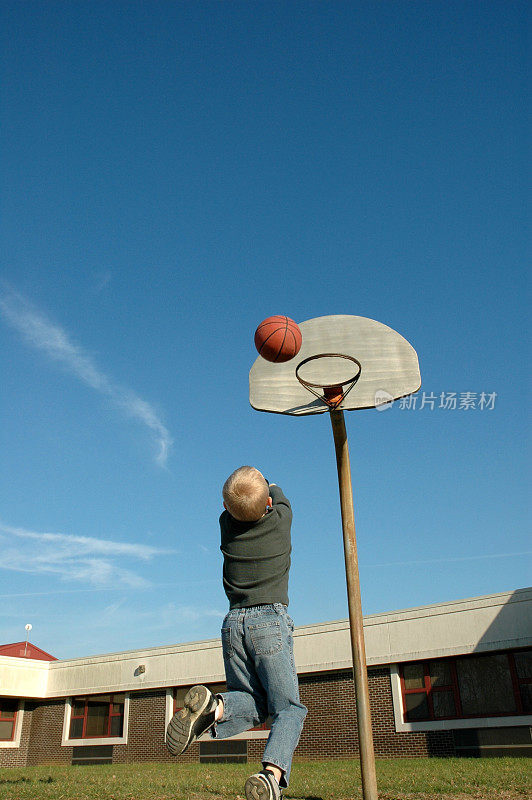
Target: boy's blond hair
[(245, 494)]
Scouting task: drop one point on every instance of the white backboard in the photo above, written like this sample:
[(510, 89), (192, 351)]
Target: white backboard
[(389, 367)]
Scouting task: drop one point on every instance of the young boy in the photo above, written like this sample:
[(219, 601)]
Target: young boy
[(256, 636)]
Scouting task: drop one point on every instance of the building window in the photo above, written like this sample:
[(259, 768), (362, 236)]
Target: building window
[(8, 719), (523, 671), (223, 751), (97, 717), (485, 686), (467, 687), (429, 690)]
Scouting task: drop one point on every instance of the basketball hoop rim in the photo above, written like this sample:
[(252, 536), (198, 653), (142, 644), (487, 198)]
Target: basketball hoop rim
[(309, 384)]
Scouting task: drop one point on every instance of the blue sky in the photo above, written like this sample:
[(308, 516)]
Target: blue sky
[(172, 174)]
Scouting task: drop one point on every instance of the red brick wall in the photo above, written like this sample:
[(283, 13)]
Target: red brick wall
[(255, 750), (146, 731), (330, 729), (17, 756), (43, 727), (387, 741), (46, 731)]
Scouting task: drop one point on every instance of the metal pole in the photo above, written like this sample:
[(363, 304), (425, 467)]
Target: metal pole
[(365, 734)]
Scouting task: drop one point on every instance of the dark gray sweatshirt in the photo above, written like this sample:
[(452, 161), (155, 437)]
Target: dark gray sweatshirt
[(257, 555)]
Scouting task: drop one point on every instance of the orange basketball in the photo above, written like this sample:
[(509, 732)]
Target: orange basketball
[(278, 339)]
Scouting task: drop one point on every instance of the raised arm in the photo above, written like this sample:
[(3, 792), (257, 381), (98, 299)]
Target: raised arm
[(279, 501)]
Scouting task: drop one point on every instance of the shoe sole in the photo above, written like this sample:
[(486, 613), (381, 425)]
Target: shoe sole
[(180, 732), (258, 789)]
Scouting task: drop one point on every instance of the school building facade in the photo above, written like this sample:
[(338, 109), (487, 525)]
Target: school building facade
[(445, 680)]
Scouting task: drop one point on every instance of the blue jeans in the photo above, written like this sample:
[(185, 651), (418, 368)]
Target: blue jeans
[(262, 681)]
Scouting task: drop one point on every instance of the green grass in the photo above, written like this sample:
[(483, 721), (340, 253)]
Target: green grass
[(399, 779)]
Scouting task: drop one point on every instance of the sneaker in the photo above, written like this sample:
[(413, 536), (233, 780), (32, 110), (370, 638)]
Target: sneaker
[(196, 717), (262, 786)]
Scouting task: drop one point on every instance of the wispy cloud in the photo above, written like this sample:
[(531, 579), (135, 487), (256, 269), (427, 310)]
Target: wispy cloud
[(103, 279), (126, 623), (56, 344), (168, 616), (183, 582), (98, 562)]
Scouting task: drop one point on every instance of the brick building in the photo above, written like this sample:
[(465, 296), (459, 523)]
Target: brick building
[(447, 679)]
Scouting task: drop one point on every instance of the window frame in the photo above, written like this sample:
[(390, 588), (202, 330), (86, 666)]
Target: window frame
[(67, 741), (430, 690), (517, 718), (516, 680), (85, 716), (16, 719)]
